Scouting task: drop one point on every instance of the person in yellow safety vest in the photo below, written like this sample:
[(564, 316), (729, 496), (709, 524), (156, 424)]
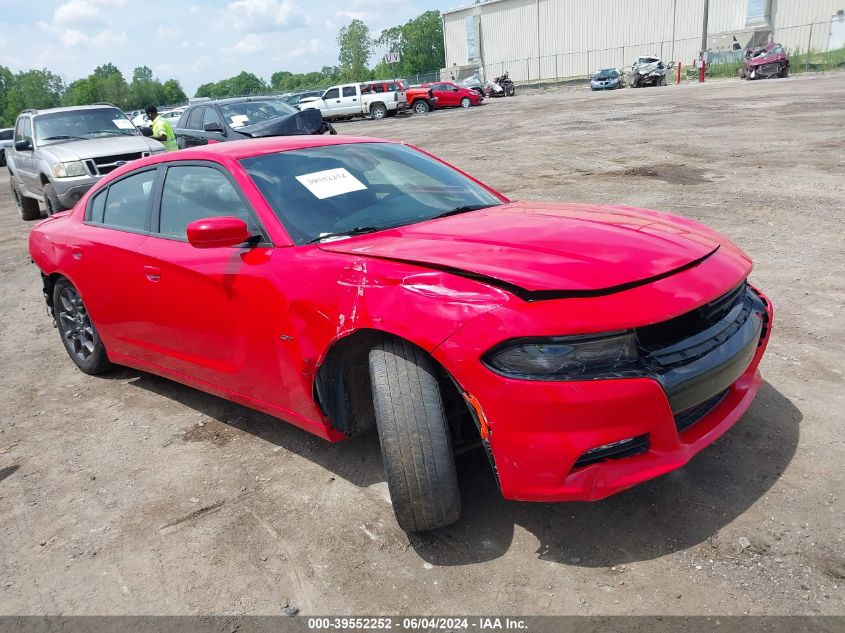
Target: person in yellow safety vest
[(162, 130)]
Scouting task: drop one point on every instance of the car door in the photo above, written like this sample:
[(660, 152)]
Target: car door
[(218, 315), (24, 163), (445, 95), (109, 270), (192, 134), (214, 129), (331, 98), (350, 98)]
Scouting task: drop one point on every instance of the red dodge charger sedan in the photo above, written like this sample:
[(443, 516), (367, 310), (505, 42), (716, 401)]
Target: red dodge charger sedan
[(345, 283)]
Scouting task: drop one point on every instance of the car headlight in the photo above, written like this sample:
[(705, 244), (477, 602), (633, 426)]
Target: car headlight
[(68, 170), (565, 358)]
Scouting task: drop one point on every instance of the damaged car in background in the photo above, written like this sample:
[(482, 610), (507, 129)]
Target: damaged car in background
[(648, 70), (765, 62), (245, 117), (352, 284)]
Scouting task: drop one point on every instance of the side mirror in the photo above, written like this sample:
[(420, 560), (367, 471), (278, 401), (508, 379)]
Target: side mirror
[(213, 127), (23, 145), (217, 232)]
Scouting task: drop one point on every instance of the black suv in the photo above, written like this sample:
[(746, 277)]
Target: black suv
[(245, 117)]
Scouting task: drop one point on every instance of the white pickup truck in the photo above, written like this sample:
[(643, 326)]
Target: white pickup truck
[(349, 100)]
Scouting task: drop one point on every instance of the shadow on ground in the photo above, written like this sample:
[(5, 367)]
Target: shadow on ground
[(669, 514)]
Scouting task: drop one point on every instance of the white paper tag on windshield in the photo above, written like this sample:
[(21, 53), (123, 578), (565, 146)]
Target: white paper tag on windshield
[(330, 183), (239, 120), (123, 124)]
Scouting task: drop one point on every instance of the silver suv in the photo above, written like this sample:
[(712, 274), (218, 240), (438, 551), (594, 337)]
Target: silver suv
[(58, 154)]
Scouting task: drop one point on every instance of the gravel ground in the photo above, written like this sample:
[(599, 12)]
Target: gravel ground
[(129, 494)]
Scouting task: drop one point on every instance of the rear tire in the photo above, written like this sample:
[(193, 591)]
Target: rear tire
[(51, 200), (378, 111), (784, 71), (421, 107), (414, 435), (77, 331), (27, 207)]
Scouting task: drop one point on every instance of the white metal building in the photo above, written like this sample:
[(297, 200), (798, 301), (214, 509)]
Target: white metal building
[(543, 39)]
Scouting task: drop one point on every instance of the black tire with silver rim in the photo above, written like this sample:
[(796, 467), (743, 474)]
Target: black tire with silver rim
[(416, 444), (51, 200), (77, 331), (378, 111), (465, 102), (421, 106), (27, 207)]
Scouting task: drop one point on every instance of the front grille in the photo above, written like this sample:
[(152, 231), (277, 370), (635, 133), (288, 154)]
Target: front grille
[(636, 446), (686, 419), (102, 165), (661, 336)]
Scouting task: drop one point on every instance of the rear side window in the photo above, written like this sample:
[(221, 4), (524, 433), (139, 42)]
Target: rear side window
[(97, 207), (349, 91), (194, 121), (193, 192), (127, 202)]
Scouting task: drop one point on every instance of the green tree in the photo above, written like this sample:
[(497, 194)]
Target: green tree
[(355, 50), (173, 93), (419, 43)]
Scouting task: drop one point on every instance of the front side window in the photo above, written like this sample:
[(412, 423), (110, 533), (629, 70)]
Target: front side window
[(127, 201), (193, 192), (320, 191), (211, 118), (24, 129), (6, 135), (331, 94), (82, 124)]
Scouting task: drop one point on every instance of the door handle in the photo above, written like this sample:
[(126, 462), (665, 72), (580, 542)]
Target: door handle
[(152, 273), (76, 252), (355, 99)]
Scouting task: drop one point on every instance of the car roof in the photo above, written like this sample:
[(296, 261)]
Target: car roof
[(94, 106), (235, 100), (246, 148)]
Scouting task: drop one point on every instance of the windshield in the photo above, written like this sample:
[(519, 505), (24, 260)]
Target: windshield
[(251, 112), (607, 74), (322, 191), (82, 124)]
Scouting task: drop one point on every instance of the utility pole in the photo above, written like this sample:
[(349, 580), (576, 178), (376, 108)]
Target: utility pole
[(674, 11), (704, 28)]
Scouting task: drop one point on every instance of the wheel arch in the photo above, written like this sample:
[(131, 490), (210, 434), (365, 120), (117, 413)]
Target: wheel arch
[(342, 387)]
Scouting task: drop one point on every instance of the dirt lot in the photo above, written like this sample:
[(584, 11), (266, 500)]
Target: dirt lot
[(132, 494)]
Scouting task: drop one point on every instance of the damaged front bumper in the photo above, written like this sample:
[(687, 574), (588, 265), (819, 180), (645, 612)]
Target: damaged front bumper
[(584, 440)]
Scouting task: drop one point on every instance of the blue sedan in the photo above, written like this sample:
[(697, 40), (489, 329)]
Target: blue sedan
[(607, 79)]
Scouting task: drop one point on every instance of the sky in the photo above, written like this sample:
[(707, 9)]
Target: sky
[(194, 41)]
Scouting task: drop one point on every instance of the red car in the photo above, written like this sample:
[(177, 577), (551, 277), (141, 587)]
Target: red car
[(345, 283), (765, 62), (451, 95)]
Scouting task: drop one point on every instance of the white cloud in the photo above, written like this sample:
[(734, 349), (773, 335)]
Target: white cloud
[(75, 13), (251, 43), (257, 16), (165, 70), (364, 16), (311, 47), (108, 38), (72, 37), (166, 32)]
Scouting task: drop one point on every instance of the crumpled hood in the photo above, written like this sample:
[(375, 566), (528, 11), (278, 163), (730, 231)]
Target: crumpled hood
[(304, 122), (535, 247), (646, 69), (106, 146)]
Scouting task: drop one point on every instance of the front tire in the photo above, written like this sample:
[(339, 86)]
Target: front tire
[(51, 200), (421, 107), (414, 435), (466, 102), (784, 71), (27, 207), (77, 331)]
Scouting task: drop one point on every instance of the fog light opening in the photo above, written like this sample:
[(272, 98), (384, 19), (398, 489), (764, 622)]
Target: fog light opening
[(614, 450)]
